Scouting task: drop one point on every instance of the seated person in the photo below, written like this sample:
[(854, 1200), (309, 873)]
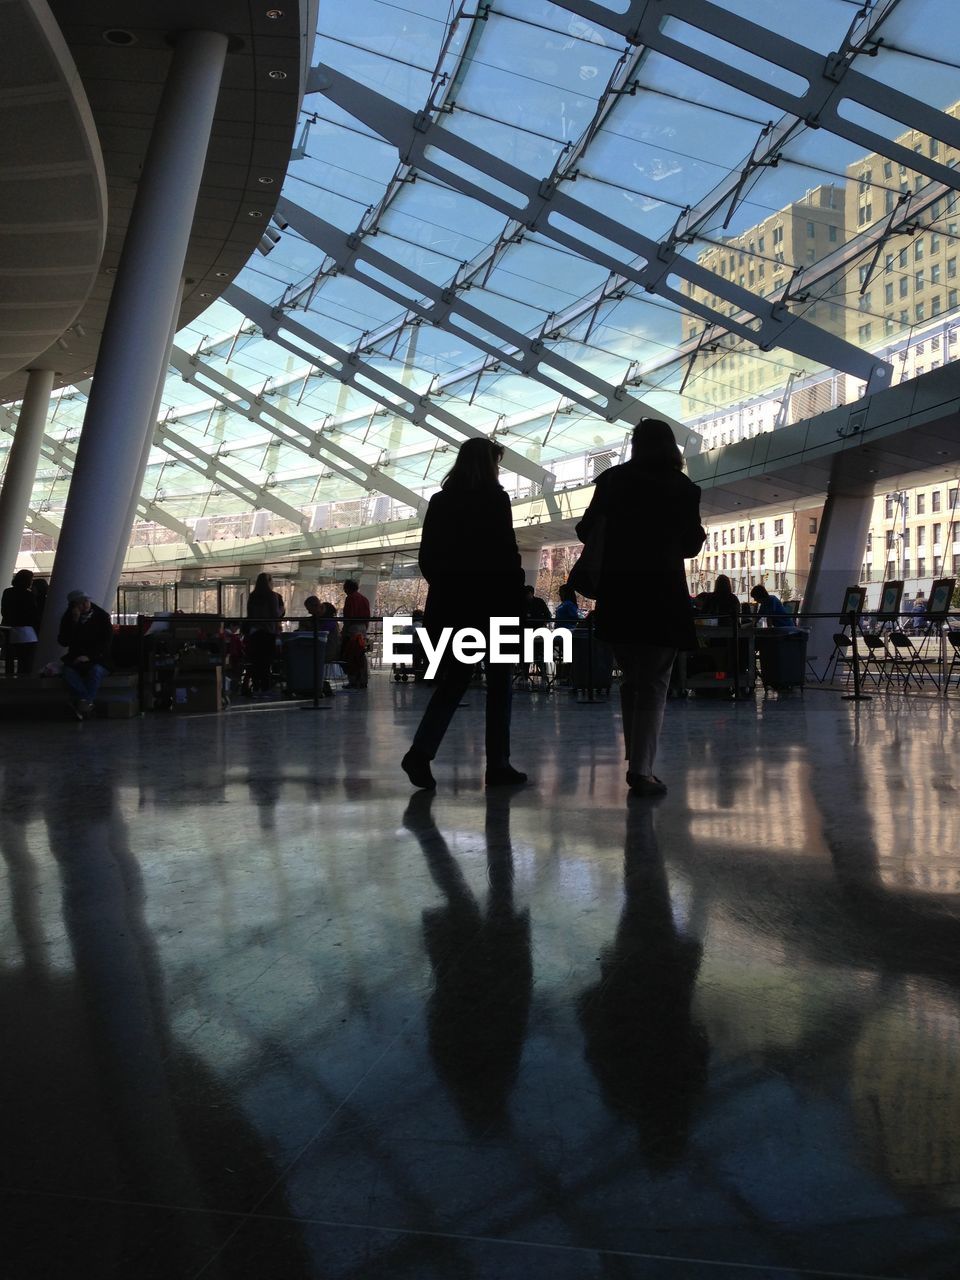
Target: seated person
[(326, 624), (568, 612), (771, 608), (720, 603), (86, 632)]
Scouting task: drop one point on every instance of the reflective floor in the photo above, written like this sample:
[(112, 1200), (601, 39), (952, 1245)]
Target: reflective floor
[(268, 1013)]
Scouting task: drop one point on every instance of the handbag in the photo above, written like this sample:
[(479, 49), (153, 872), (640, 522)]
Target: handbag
[(584, 577)]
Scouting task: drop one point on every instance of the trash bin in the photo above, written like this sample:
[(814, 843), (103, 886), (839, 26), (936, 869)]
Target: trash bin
[(299, 669), (597, 675), (783, 657)]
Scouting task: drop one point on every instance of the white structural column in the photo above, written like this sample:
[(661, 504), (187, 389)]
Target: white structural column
[(111, 589), (530, 563), (133, 347), (22, 467), (841, 544)]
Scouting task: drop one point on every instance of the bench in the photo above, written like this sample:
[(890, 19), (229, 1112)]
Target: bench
[(46, 698)]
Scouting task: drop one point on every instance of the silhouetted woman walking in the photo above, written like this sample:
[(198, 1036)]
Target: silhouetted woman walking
[(469, 557), (649, 514)]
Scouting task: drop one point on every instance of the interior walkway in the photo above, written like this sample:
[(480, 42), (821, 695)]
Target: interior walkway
[(267, 1016)]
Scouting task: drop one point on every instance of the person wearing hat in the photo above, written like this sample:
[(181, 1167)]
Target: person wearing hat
[(86, 633)]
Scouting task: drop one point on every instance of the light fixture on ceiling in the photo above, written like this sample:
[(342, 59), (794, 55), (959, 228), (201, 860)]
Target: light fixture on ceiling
[(206, 295), (265, 182), (119, 36), (222, 275), (254, 213), (274, 14), (277, 75), (268, 241)]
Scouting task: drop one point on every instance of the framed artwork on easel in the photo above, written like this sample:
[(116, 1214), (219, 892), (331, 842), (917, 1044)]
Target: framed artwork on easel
[(891, 598)]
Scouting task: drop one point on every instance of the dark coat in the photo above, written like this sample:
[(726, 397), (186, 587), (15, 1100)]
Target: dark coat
[(652, 525), (91, 639), (18, 608), (469, 557)]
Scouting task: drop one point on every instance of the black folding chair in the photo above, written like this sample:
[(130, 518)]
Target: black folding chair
[(842, 656), (953, 639), (875, 663), (906, 661)]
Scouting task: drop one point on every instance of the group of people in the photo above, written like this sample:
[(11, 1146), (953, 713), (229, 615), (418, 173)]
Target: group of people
[(721, 602), (265, 611), (471, 563)]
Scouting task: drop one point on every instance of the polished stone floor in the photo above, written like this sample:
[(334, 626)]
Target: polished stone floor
[(269, 1014)]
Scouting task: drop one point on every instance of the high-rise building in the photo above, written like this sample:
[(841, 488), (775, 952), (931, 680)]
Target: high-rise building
[(762, 259), (915, 279)]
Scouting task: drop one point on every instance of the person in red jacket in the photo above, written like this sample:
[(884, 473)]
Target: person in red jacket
[(356, 619)]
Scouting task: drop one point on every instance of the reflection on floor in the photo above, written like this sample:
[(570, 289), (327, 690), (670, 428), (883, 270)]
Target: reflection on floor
[(269, 1013)]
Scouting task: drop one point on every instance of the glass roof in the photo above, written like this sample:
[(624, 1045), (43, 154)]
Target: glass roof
[(460, 317)]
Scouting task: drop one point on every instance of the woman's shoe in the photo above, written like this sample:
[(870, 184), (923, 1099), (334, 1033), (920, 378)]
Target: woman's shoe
[(417, 769), (505, 776), (643, 784)]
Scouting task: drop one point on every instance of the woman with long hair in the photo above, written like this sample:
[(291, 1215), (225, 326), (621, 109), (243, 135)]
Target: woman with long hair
[(649, 515), (265, 608), (19, 612), (469, 558)]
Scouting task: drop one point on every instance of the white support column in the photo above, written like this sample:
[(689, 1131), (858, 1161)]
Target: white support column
[(22, 467), (121, 555), (837, 560), (141, 312), (530, 563)]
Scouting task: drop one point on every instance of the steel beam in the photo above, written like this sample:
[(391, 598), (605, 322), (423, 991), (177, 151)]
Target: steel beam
[(444, 307), (290, 430), (192, 456), (775, 137), (830, 81), (371, 382), (542, 205)]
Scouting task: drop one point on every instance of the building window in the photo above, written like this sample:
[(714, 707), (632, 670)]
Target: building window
[(888, 508), (832, 234), (935, 305), (951, 303), (937, 530), (918, 279), (778, 528), (889, 539), (953, 499), (811, 230), (864, 332), (951, 268), (888, 264), (888, 294), (921, 535), (904, 286), (935, 500), (935, 273), (888, 169), (741, 532), (762, 525), (921, 503), (813, 524), (918, 249), (934, 244), (919, 310)]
